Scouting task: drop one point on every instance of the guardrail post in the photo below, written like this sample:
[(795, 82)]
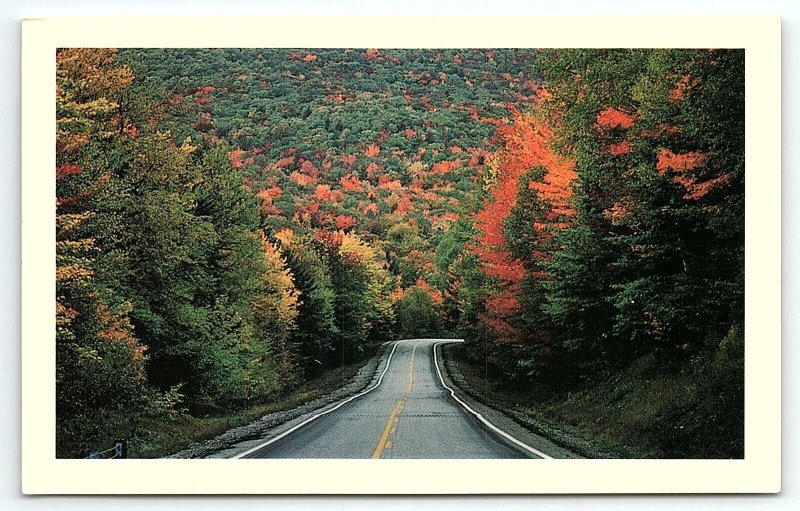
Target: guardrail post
[(120, 449)]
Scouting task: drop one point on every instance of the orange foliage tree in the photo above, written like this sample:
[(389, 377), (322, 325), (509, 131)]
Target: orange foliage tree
[(526, 160)]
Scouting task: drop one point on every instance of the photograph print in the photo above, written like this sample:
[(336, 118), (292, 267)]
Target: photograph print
[(399, 253)]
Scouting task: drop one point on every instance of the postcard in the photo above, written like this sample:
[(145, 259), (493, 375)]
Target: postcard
[(438, 255)]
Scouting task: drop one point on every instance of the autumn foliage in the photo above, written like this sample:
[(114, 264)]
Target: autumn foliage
[(614, 118), (526, 144)]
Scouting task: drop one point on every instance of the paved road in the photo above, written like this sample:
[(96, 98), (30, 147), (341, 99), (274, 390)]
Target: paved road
[(409, 415)]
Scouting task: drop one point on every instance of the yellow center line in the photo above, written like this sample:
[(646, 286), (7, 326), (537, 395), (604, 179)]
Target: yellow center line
[(391, 424), (385, 436)]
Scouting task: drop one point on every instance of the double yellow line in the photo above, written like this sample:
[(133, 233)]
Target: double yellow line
[(394, 417)]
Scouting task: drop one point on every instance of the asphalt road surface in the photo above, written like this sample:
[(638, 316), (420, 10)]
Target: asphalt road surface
[(410, 414)]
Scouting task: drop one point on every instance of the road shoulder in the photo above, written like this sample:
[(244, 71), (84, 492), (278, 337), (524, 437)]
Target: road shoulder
[(240, 439), (515, 424)]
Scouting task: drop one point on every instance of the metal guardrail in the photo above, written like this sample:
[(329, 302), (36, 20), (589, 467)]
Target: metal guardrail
[(118, 451)]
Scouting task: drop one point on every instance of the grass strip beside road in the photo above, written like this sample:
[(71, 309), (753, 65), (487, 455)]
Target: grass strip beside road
[(641, 411)]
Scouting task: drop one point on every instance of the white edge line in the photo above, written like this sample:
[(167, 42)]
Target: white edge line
[(479, 416), (320, 414)]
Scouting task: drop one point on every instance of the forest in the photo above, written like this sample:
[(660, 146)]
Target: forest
[(233, 223)]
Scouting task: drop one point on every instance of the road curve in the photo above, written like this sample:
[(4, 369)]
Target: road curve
[(407, 414)]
